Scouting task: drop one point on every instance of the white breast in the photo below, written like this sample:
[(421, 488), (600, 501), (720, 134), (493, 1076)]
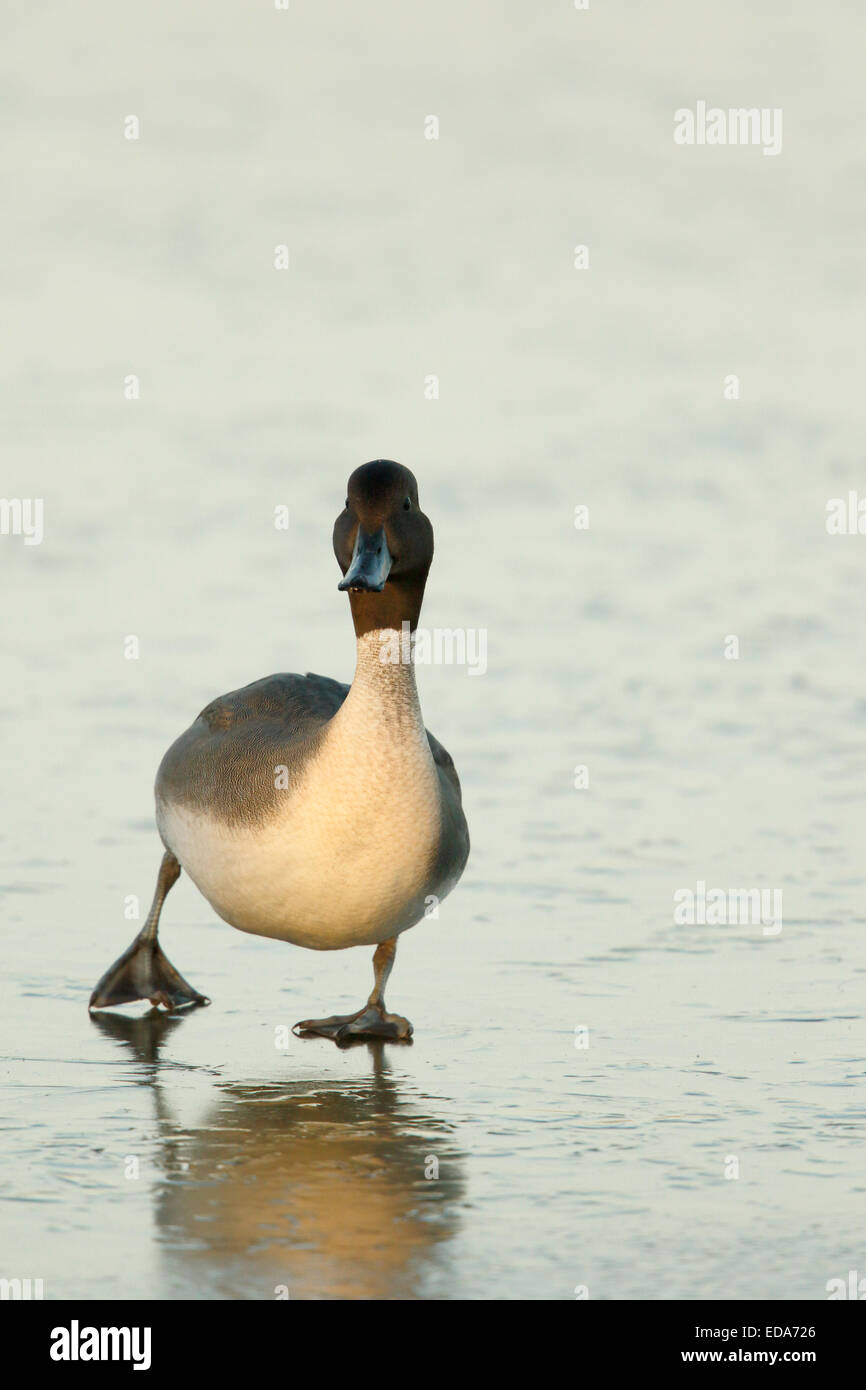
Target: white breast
[(348, 860)]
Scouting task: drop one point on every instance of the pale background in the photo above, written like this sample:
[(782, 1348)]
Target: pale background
[(557, 1167)]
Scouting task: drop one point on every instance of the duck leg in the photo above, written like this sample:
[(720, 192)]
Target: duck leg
[(370, 1022), (143, 971)]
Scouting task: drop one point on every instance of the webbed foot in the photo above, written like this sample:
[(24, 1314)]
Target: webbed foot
[(144, 972), (369, 1022)]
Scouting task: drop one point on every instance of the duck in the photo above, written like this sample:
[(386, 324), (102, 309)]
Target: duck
[(310, 811)]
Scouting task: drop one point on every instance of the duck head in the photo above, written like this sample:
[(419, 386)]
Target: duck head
[(384, 546)]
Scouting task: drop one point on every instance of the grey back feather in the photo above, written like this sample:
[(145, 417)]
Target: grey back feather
[(227, 759)]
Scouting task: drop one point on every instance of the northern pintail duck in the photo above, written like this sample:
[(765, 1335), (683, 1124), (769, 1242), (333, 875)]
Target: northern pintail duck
[(311, 811)]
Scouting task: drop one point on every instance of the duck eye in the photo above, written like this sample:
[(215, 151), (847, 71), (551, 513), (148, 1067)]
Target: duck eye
[(347, 504), (407, 504)]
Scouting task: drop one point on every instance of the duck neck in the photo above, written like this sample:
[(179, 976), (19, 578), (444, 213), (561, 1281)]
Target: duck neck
[(398, 603), (384, 681)]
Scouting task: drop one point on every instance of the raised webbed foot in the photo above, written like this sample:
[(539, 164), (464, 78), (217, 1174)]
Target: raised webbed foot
[(144, 972), (369, 1022)]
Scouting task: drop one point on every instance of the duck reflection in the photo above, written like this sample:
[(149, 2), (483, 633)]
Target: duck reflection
[(314, 1189)]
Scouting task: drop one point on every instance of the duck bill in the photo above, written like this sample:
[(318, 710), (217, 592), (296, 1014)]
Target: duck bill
[(370, 564)]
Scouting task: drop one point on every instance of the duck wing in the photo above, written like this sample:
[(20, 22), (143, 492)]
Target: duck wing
[(226, 760), (299, 704)]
